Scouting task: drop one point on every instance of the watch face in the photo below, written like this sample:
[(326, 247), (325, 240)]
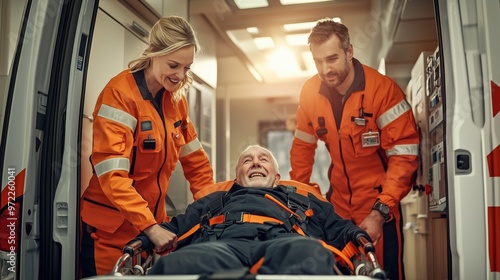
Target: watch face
[(384, 208)]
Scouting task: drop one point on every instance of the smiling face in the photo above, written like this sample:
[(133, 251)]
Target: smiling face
[(257, 168), (168, 70)]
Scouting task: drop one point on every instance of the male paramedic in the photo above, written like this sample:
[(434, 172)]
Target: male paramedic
[(370, 133), (257, 224)]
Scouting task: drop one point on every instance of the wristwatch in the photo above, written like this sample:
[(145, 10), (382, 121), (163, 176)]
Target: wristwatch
[(383, 209)]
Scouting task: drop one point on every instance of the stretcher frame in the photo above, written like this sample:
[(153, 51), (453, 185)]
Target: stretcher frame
[(132, 265)]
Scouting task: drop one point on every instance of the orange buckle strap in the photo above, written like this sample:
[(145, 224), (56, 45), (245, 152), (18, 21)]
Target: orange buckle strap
[(309, 212), (255, 268), (242, 217), (298, 229), (350, 250), (339, 255), (189, 232), (235, 217)]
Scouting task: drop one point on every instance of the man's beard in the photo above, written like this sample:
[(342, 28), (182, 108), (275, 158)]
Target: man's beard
[(341, 76)]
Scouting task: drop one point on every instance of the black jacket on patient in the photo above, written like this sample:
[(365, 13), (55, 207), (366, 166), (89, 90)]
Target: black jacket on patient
[(260, 229)]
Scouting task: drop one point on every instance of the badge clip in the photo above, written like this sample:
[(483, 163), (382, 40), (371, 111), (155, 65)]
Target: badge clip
[(360, 121), (149, 144)]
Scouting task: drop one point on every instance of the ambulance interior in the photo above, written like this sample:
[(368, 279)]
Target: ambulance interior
[(246, 92)]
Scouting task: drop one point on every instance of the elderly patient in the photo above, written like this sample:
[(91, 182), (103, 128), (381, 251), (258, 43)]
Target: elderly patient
[(256, 224)]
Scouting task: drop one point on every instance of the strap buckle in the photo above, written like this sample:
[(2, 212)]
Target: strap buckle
[(234, 217)]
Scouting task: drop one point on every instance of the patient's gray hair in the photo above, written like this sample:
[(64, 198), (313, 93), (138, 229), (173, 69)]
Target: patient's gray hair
[(275, 162)]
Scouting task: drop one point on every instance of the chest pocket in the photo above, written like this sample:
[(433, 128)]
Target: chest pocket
[(365, 140), (149, 139), (149, 143)]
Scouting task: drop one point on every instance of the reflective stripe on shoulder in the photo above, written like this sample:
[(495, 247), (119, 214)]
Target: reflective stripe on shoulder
[(118, 116), (306, 137), (393, 113), (111, 164), (189, 148), (408, 149)]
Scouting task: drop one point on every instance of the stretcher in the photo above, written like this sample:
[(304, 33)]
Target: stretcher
[(137, 259)]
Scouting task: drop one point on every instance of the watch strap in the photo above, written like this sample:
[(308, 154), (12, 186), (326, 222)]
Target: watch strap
[(383, 209)]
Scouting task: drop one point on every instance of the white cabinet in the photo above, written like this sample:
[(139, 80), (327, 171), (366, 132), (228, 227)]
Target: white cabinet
[(201, 99)]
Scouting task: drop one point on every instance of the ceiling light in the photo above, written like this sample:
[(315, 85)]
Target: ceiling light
[(253, 30), (292, 2), (250, 4), (297, 39), (242, 39), (283, 63), (263, 42), (290, 27)]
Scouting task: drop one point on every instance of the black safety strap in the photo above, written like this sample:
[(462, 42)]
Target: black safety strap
[(299, 204), (296, 202), (214, 208)]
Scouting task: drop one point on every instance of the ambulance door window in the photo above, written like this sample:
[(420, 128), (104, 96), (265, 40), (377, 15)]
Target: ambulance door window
[(11, 13)]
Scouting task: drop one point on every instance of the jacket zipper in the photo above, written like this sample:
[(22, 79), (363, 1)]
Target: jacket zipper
[(341, 153), (345, 169), (164, 160)]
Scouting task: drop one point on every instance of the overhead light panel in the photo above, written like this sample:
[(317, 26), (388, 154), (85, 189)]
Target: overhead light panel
[(293, 2), (297, 39), (263, 42), (301, 26), (283, 63), (250, 4), (336, 19), (253, 30)]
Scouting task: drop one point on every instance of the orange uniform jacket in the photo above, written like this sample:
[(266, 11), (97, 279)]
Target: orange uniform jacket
[(375, 160), (135, 150)]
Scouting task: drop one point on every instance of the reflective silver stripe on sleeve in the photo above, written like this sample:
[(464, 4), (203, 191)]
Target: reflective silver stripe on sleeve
[(118, 116), (393, 113), (112, 164), (306, 137), (398, 150), (189, 148)]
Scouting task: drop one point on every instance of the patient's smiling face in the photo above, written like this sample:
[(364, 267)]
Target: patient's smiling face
[(257, 168)]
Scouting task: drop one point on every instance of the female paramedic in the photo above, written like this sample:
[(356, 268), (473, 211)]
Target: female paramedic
[(141, 129)]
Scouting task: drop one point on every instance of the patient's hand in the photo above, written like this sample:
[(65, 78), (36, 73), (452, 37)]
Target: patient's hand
[(163, 239), (373, 224)]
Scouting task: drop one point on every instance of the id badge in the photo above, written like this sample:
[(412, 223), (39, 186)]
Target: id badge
[(370, 139)]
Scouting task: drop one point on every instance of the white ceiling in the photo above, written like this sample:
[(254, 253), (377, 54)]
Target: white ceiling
[(396, 30)]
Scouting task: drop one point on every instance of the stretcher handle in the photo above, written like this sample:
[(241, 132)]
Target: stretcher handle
[(137, 245), (369, 251), (365, 244)]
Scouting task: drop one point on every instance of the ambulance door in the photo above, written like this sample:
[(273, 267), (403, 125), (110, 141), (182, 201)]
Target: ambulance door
[(39, 152), (469, 40)]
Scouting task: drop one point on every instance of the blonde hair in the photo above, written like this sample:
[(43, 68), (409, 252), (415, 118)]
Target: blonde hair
[(168, 35)]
